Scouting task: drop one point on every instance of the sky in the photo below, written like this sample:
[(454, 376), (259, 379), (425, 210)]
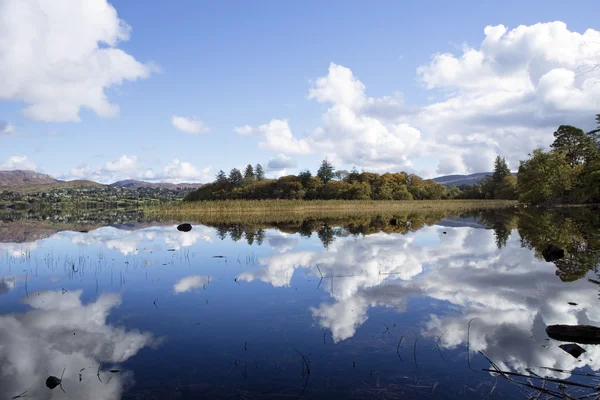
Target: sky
[(176, 91)]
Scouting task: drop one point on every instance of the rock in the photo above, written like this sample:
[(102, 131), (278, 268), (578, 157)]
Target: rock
[(184, 227), (573, 349), (571, 303), (393, 222), (552, 253), (584, 334), (52, 382)]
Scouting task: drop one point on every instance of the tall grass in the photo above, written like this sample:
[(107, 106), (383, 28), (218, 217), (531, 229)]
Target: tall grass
[(275, 209)]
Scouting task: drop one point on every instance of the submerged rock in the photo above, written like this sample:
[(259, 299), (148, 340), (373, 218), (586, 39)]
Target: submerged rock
[(573, 349), (184, 227), (52, 382), (584, 334), (552, 253)]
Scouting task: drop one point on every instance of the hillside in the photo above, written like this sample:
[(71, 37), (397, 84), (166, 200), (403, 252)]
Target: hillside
[(457, 180), (22, 178), (132, 183)]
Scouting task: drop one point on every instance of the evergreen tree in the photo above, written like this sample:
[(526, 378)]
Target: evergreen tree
[(326, 172), (574, 143), (221, 177), (259, 174), (249, 172), (235, 177), (500, 171)]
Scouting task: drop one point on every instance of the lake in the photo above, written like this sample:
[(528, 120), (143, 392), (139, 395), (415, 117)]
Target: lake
[(389, 307)]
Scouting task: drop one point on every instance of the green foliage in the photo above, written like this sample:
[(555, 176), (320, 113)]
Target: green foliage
[(221, 178), (249, 172), (500, 171), (326, 171), (235, 177), (259, 173), (354, 186), (574, 143)]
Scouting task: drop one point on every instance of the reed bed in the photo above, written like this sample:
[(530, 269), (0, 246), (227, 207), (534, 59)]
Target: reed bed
[(317, 207)]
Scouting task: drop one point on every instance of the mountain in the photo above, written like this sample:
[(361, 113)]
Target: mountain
[(457, 180), (22, 178), (132, 183)]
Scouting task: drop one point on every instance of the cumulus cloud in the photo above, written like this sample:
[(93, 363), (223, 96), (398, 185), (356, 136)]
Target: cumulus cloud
[(46, 345), (503, 97), (508, 95), (281, 162), (17, 162), (277, 136), (126, 167), (62, 56), (7, 129), (189, 125)]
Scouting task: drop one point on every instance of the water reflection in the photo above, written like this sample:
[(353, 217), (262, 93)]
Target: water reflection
[(342, 291), (60, 332)]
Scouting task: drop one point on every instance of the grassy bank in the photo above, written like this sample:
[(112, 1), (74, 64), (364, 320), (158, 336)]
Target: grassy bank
[(291, 209)]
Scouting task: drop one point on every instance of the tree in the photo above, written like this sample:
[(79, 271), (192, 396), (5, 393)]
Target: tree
[(235, 177), (500, 170), (249, 172), (259, 174), (574, 143), (326, 172), (341, 174), (353, 176), (305, 177), (595, 134), (221, 177)]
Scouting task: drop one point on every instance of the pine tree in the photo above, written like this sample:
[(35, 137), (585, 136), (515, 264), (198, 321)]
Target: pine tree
[(221, 177), (500, 171), (326, 172), (235, 177), (259, 174), (574, 143), (249, 172), (304, 177)]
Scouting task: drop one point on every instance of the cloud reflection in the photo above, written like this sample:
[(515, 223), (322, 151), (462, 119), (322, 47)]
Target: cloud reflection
[(513, 295), (62, 332)]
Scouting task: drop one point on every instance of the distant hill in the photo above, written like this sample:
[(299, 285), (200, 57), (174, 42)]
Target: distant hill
[(132, 183), (457, 180), (22, 178)]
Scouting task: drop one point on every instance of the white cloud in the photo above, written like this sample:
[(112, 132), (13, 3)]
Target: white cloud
[(504, 97), (243, 130), (7, 129), (189, 283), (281, 162), (126, 167), (277, 136), (507, 96), (17, 162), (44, 337), (189, 125), (62, 56), (124, 163)]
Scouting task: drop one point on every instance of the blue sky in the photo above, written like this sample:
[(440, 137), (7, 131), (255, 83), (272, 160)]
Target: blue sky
[(356, 82)]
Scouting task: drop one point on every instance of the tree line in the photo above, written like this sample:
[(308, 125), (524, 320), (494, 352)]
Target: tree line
[(327, 184), (568, 173)]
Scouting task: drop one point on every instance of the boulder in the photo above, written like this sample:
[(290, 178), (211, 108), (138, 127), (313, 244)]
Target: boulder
[(52, 382), (584, 334), (184, 227), (552, 253)]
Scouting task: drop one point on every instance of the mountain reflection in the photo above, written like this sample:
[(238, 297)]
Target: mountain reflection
[(60, 332)]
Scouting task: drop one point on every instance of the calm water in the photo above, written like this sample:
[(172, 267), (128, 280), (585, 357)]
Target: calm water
[(369, 308)]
